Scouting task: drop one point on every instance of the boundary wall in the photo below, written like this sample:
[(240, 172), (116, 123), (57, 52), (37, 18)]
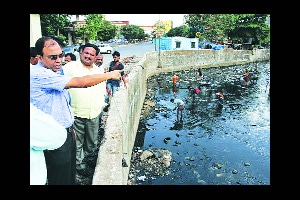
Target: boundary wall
[(113, 163)]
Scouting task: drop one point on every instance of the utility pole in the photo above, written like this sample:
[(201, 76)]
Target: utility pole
[(159, 35), (58, 28)]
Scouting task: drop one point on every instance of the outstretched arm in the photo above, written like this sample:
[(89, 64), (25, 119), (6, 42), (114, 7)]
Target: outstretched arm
[(90, 80)]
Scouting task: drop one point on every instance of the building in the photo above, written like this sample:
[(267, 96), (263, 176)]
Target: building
[(147, 29), (167, 25), (119, 23), (35, 29), (176, 43)]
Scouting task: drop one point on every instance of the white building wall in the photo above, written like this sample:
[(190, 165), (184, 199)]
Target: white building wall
[(185, 43), (35, 28)]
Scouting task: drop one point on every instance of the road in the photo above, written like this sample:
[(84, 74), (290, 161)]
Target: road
[(130, 50)]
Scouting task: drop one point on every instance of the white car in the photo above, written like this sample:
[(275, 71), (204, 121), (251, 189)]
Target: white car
[(105, 48)]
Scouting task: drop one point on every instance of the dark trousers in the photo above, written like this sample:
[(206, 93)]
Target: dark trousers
[(61, 162)]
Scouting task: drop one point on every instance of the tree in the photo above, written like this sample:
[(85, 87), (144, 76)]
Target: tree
[(53, 24), (196, 25), (181, 31), (107, 31), (131, 32), (218, 27), (212, 27), (251, 26), (93, 24), (94, 28)]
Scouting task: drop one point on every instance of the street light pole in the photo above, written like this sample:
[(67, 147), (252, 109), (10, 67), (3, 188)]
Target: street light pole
[(159, 62)]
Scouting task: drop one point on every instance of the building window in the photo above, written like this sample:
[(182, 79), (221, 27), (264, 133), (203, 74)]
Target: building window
[(193, 45), (178, 44)]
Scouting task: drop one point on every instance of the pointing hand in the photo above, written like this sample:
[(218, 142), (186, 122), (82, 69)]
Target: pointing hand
[(116, 74)]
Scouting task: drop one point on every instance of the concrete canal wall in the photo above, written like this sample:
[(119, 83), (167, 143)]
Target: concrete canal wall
[(114, 154)]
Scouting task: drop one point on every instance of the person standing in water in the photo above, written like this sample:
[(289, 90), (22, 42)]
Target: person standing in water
[(200, 73), (246, 77), (194, 92), (175, 79), (179, 105), (220, 98)]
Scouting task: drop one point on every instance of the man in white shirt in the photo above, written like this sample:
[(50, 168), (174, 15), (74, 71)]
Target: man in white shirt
[(45, 133), (179, 104)]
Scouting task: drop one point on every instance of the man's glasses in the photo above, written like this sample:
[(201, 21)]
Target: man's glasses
[(54, 57), (115, 57), (99, 59)]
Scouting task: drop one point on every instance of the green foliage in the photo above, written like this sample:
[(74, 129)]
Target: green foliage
[(218, 27), (131, 32), (53, 24), (94, 23), (181, 31), (107, 31), (209, 27), (251, 26), (96, 28)]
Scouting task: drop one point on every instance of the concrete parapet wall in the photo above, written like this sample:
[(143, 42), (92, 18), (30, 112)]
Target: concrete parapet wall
[(113, 163)]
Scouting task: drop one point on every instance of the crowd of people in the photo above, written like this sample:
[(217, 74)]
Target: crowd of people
[(71, 95), (193, 91)]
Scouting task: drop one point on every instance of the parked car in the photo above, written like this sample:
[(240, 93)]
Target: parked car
[(69, 49), (105, 48)]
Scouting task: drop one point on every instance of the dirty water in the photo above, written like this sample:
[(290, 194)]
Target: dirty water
[(212, 145)]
